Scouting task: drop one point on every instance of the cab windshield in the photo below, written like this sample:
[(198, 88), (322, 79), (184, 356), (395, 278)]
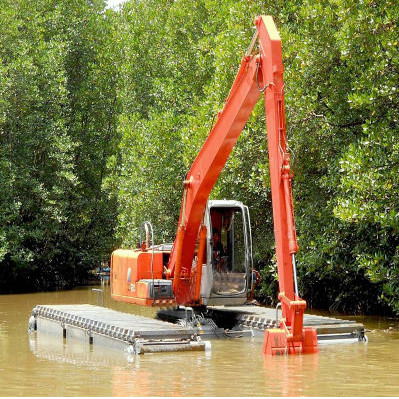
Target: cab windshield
[(229, 250)]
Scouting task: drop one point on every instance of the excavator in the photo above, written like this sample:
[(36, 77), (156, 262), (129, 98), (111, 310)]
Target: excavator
[(210, 261)]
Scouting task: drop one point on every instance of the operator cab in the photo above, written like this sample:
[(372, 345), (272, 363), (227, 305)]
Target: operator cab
[(227, 276), (138, 275)]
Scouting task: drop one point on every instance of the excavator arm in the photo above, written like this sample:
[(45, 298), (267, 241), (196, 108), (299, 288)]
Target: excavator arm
[(260, 73)]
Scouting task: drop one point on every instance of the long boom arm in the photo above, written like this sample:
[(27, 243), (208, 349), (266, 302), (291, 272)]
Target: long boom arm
[(259, 73)]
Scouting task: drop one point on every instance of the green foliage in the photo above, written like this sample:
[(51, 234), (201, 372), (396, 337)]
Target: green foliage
[(343, 81), (150, 177), (56, 133)]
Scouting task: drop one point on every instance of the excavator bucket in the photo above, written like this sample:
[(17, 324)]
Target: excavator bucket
[(277, 342), (291, 337)]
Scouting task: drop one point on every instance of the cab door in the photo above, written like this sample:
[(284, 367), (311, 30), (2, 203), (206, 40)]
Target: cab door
[(229, 257)]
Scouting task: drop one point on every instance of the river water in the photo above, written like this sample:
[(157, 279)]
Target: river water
[(33, 365)]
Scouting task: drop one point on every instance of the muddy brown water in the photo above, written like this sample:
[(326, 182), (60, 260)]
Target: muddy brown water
[(32, 365)]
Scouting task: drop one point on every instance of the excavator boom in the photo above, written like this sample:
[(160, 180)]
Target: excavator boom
[(259, 73)]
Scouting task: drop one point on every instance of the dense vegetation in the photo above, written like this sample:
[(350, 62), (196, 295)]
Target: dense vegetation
[(102, 113), (58, 120)]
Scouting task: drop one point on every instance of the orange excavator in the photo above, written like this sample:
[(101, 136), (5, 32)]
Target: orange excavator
[(210, 261)]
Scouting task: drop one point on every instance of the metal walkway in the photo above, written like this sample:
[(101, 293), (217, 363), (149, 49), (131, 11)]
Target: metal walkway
[(101, 326), (259, 318)]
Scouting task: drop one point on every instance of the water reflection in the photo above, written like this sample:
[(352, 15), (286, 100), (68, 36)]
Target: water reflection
[(130, 383), (58, 349), (291, 373)]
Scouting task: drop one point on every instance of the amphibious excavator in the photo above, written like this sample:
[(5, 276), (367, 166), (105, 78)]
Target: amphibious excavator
[(210, 261)]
